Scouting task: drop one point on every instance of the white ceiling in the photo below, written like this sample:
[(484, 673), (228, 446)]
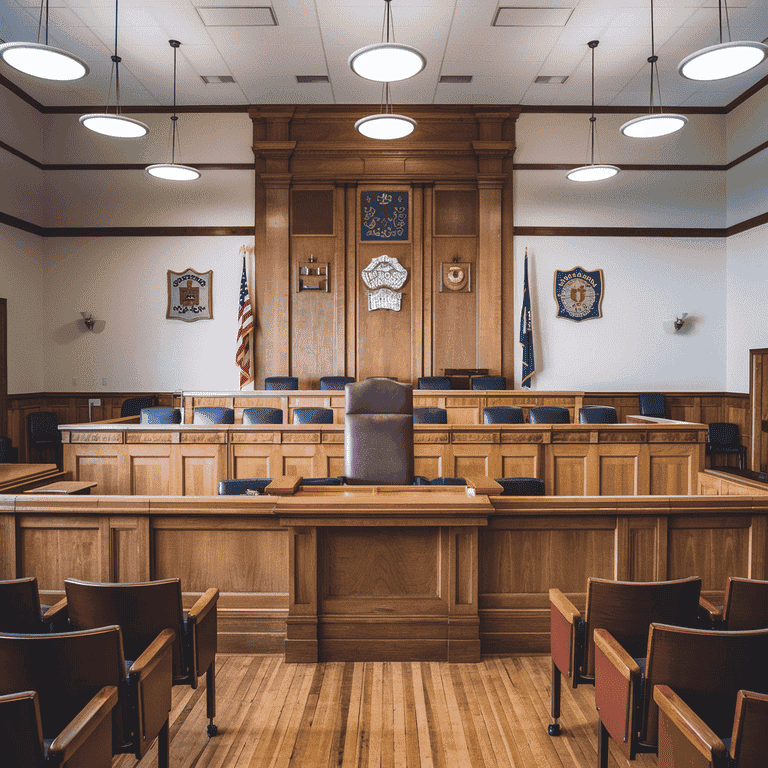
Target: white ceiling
[(316, 37)]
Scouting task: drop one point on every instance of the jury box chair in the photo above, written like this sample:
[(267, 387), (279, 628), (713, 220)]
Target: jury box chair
[(85, 741), (144, 610), (706, 669), (489, 382), (160, 415), (724, 439), (652, 404), (430, 416), (262, 416), (686, 741), (503, 414), (133, 405), (310, 415), (597, 414), (336, 383), (434, 382), (43, 432), (625, 609), (70, 670), (213, 415), (20, 609), (549, 414), (281, 382)]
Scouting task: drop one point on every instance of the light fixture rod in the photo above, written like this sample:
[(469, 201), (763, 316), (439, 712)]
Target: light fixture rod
[(592, 120), (389, 21), (174, 44)]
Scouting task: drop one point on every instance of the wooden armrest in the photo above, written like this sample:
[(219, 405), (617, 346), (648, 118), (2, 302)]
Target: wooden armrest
[(564, 606), (202, 634), (57, 614), (77, 733), (709, 612), (153, 655), (616, 655), (684, 724), (205, 603), (564, 620)]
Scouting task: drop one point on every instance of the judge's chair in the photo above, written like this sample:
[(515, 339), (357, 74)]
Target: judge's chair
[(281, 382), (133, 405), (86, 740), (503, 414), (262, 416), (705, 668), (625, 609), (723, 438), (313, 416), (20, 609), (489, 382), (43, 433), (145, 610), (686, 741), (73, 670), (434, 382), (336, 383), (597, 414), (160, 416), (652, 404), (549, 414), (213, 416), (378, 433), (430, 416)]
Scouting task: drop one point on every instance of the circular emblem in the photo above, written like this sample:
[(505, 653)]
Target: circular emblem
[(577, 297)]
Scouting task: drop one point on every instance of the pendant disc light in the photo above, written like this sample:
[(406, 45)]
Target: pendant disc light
[(114, 124), (717, 62), (173, 171), (43, 60), (387, 62), (592, 171), (387, 124)]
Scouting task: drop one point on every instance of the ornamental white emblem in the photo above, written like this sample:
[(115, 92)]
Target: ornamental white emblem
[(384, 276)]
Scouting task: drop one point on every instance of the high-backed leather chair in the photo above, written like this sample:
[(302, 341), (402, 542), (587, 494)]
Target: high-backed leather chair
[(598, 414), (378, 433), (143, 611), (281, 382), (20, 609), (213, 415), (133, 405), (430, 416), (521, 486), (262, 416), (434, 382), (652, 404), (549, 414), (489, 382), (624, 608), (313, 416), (686, 741), (724, 438), (705, 668), (336, 383), (85, 741), (160, 416), (43, 432), (503, 414), (68, 669), (241, 486)]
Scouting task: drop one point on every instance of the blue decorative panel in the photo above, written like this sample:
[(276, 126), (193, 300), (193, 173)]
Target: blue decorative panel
[(383, 216)]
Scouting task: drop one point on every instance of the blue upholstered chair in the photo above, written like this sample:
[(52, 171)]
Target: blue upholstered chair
[(430, 416), (213, 416), (160, 415), (262, 416), (549, 414), (313, 416), (43, 431), (724, 438), (434, 382), (489, 382), (597, 414), (503, 414), (8, 454), (521, 486), (241, 486), (133, 405), (336, 383), (652, 404), (448, 481), (281, 382)]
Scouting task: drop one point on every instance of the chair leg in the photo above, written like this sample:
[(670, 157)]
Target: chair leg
[(210, 696), (602, 746), (554, 727), (163, 747)]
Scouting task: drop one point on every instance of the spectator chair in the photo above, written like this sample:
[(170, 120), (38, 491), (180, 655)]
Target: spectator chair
[(549, 414), (705, 668), (724, 438), (213, 416), (434, 382), (430, 416), (262, 416), (85, 741), (623, 608), (686, 741), (521, 486), (503, 414), (598, 414), (145, 610), (43, 432), (160, 416), (313, 416), (489, 382), (20, 609), (745, 606), (336, 383), (281, 382), (133, 405), (68, 670), (259, 484), (652, 404)]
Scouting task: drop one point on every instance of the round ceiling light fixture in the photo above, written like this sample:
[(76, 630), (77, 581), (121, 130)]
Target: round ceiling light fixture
[(43, 61)]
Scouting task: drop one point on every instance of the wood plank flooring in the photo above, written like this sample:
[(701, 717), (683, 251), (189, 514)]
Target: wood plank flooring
[(385, 714)]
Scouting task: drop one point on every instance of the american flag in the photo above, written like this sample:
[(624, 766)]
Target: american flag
[(244, 333)]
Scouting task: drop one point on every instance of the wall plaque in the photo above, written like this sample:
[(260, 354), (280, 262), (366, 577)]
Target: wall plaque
[(384, 276), (579, 294), (456, 276), (190, 295), (383, 216)]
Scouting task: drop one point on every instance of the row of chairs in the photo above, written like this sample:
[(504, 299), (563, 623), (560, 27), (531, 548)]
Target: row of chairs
[(659, 655), (105, 649), (424, 382)]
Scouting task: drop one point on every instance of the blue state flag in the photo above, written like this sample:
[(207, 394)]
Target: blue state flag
[(526, 332)]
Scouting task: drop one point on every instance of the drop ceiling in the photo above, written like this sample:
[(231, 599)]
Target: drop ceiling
[(531, 38)]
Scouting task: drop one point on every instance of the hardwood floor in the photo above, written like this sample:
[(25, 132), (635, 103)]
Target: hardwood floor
[(352, 714)]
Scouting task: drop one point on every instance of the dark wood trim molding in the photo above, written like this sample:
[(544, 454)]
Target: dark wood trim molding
[(621, 232), (12, 221), (746, 155), (23, 95), (141, 167), (623, 166), (743, 226), (739, 100), (19, 154)]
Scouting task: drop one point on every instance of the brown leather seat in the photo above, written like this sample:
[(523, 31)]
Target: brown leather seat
[(85, 741), (378, 433), (145, 609), (20, 609), (746, 604), (67, 670)]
